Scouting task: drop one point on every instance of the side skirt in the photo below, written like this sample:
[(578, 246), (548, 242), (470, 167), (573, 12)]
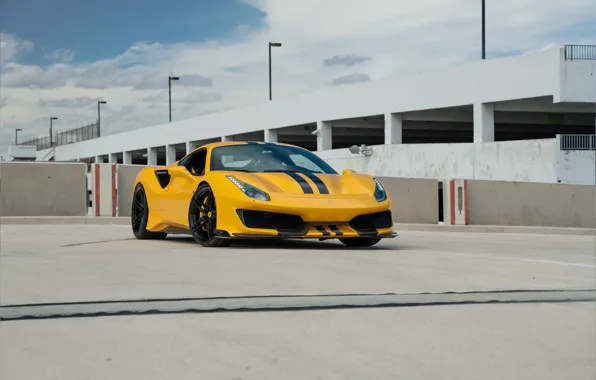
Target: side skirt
[(176, 230)]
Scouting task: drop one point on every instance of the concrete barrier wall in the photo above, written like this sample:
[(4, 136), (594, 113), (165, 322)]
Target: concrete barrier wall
[(531, 204), (60, 189), (576, 167), (43, 189), (524, 160), (125, 178), (413, 200)]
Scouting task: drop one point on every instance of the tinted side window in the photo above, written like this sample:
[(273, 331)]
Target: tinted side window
[(196, 163)]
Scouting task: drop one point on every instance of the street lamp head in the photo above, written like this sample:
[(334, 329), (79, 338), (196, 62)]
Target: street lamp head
[(102, 102), (53, 118), (275, 44), (19, 130), (174, 78)]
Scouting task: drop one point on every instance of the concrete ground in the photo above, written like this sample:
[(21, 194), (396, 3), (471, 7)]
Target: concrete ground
[(53, 263)]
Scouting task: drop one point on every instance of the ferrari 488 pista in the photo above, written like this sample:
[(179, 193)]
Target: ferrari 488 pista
[(241, 190)]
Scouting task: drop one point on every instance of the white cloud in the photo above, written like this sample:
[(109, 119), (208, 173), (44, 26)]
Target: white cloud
[(61, 55), (11, 47), (383, 36), (351, 79)]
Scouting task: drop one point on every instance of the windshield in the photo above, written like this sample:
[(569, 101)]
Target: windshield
[(267, 158)]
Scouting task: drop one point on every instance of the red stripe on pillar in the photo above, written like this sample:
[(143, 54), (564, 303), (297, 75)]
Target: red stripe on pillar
[(452, 200), (466, 201), (96, 189), (113, 189)]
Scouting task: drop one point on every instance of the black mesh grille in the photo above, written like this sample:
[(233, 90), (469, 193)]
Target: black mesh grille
[(372, 222), (271, 220)]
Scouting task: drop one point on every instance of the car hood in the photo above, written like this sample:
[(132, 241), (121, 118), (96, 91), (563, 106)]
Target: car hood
[(308, 184)]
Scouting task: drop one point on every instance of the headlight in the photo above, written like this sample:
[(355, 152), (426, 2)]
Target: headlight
[(249, 190), (380, 194)]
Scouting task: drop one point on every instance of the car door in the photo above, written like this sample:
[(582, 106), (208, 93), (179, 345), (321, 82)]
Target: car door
[(184, 181)]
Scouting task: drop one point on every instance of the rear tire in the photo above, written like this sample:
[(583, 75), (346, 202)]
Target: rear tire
[(202, 218), (360, 242), (140, 214)]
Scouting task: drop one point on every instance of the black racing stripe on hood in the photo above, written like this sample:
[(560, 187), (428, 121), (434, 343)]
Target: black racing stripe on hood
[(319, 182), (302, 182)]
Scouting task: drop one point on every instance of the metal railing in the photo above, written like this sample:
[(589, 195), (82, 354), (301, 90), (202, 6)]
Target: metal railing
[(580, 52), (577, 142), (86, 132)]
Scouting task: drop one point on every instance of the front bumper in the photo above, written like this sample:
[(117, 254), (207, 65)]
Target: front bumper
[(304, 216), (313, 235)]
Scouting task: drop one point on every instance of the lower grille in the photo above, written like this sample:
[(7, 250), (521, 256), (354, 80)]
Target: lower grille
[(370, 223), (271, 220)]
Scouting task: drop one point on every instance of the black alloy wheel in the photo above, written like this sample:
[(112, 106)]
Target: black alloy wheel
[(139, 215), (202, 218)]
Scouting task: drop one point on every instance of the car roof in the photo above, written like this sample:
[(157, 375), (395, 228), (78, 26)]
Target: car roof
[(229, 143)]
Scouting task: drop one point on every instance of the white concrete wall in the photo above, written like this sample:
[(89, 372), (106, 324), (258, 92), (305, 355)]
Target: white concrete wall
[(576, 167), (529, 75), (45, 155), (578, 81), (530, 161)]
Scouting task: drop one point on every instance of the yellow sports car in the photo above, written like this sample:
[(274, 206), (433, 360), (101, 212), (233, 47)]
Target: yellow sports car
[(239, 190)]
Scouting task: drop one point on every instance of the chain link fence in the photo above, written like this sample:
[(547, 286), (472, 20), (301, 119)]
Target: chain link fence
[(86, 132)]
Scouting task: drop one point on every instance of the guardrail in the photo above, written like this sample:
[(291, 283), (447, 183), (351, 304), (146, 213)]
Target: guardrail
[(577, 142), (580, 52), (71, 136)]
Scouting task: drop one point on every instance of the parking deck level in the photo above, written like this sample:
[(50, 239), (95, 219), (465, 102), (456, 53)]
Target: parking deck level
[(75, 263)]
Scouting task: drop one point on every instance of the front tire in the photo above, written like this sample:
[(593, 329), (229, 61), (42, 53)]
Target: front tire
[(202, 218), (140, 214), (360, 242)]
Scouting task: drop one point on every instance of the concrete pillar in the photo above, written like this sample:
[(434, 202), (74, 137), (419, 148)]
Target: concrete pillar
[(484, 123), (271, 135), (393, 128), (113, 158), (227, 138), (100, 159), (324, 141), (190, 146), (170, 154), (152, 156), (455, 202), (127, 158)]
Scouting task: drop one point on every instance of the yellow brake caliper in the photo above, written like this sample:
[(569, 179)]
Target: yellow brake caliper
[(202, 213)]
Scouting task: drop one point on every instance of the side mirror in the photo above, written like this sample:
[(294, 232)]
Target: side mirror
[(347, 171), (178, 171)]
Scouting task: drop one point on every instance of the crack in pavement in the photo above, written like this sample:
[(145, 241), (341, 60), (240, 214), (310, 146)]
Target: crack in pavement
[(94, 242), (286, 303)]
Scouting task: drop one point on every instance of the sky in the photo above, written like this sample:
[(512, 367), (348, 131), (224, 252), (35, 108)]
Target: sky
[(59, 57)]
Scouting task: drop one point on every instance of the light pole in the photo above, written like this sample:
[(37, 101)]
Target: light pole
[(52, 131), (16, 135), (99, 102), (170, 79), (271, 44), (483, 29)]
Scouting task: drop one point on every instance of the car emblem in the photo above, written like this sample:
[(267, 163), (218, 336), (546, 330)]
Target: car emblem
[(330, 202)]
